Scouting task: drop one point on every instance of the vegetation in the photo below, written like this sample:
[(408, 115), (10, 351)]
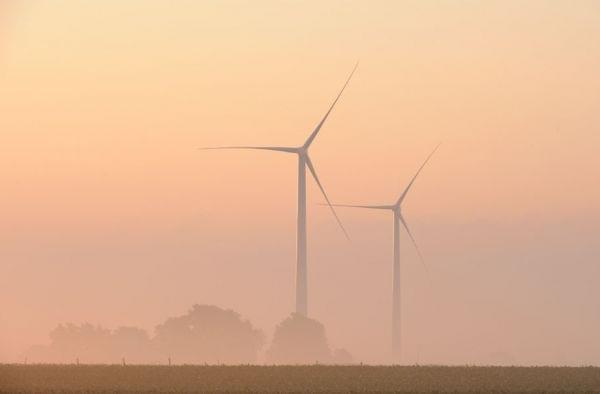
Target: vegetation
[(206, 334), (117, 378), (301, 340), (209, 334)]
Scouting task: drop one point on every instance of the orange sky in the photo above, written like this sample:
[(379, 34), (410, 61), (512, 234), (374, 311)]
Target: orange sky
[(110, 214)]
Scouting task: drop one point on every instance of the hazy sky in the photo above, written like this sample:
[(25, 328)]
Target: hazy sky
[(110, 214)]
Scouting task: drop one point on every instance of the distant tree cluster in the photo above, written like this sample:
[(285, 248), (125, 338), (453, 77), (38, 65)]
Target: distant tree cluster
[(208, 334), (205, 335), (71, 342), (302, 340)]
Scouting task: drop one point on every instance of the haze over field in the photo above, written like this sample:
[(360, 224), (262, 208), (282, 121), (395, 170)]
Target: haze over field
[(110, 214)]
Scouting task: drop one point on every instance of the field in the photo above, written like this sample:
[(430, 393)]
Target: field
[(116, 378)]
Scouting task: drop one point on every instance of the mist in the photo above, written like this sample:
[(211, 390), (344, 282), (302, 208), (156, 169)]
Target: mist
[(112, 217)]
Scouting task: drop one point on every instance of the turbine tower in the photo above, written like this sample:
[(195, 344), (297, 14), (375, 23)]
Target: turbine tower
[(304, 161), (396, 209)]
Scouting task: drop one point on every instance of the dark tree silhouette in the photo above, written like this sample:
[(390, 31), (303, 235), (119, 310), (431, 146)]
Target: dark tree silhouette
[(208, 334), (299, 340)]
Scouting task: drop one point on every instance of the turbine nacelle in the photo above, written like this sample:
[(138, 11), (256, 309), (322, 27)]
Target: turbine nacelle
[(302, 151)]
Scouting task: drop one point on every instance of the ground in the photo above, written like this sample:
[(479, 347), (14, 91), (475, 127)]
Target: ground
[(315, 378)]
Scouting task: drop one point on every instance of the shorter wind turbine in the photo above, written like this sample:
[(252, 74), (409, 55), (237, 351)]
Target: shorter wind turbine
[(396, 208)]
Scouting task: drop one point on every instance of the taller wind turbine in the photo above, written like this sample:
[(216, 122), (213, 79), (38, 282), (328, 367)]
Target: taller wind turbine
[(304, 161), (396, 208)]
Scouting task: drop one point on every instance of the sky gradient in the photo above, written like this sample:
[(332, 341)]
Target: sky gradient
[(111, 215)]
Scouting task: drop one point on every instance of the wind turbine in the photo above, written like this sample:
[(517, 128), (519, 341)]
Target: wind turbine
[(304, 161), (396, 208)]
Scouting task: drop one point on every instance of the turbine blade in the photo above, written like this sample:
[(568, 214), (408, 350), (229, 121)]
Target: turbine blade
[(316, 130), (274, 148), (414, 243), (415, 177), (314, 174), (387, 207)]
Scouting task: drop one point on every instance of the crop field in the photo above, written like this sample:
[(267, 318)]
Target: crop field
[(177, 379)]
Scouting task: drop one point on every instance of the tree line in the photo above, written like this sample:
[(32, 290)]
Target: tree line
[(206, 334)]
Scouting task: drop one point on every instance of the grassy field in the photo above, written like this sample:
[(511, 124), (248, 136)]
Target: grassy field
[(176, 379)]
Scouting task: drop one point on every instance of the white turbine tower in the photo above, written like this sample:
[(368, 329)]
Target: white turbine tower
[(304, 161), (396, 208)]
